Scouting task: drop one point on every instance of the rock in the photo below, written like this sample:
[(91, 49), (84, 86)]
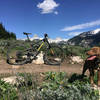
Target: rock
[(39, 59), (57, 59), (15, 66), (76, 59), (13, 80)]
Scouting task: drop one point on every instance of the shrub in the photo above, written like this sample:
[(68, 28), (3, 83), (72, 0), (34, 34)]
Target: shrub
[(76, 51), (54, 86), (52, 89), (74, 77)]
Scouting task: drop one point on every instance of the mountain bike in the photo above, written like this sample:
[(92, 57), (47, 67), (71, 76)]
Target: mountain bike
[(19, 54)]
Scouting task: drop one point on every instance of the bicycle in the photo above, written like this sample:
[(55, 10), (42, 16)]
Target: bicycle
[(19, 54)]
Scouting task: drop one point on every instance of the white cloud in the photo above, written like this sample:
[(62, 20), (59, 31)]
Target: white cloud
[(82, 26), (57, 40), (36, 37), (48, 6), (73, 33), (56, 12)]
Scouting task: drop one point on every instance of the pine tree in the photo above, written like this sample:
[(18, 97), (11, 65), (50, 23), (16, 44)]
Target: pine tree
[(4, 34)]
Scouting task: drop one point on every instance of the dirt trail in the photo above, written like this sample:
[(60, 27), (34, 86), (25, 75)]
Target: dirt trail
[(32, 68)]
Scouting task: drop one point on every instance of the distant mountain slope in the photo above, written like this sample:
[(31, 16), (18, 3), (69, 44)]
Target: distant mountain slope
[(56, 40), (90, 38)]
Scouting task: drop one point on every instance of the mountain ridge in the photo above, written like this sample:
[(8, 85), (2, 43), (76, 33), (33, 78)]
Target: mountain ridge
[(86, 39)]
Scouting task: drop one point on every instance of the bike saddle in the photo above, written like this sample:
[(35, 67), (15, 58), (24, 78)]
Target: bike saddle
[(45, 35), (27, 33)]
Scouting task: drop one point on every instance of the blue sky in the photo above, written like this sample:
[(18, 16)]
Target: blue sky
[(58, 18)]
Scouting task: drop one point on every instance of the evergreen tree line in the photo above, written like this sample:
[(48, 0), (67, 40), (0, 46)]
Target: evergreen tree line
[(4, 34)]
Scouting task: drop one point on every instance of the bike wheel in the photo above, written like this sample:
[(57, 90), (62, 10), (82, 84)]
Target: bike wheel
[(17, 55), (54, 56)]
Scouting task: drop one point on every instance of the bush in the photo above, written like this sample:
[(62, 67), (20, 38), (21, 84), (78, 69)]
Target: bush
[(57, 87), (54, 86), (76, 51), (71, 92), (74, 77)]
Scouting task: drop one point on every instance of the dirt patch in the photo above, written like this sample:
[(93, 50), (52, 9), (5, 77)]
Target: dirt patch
[(33, 68)]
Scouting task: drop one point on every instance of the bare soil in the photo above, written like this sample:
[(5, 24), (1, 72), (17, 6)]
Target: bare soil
[(33, 68)]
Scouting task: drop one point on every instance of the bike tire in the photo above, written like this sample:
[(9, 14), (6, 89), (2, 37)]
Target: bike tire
[(17, 55), (54, 56)]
